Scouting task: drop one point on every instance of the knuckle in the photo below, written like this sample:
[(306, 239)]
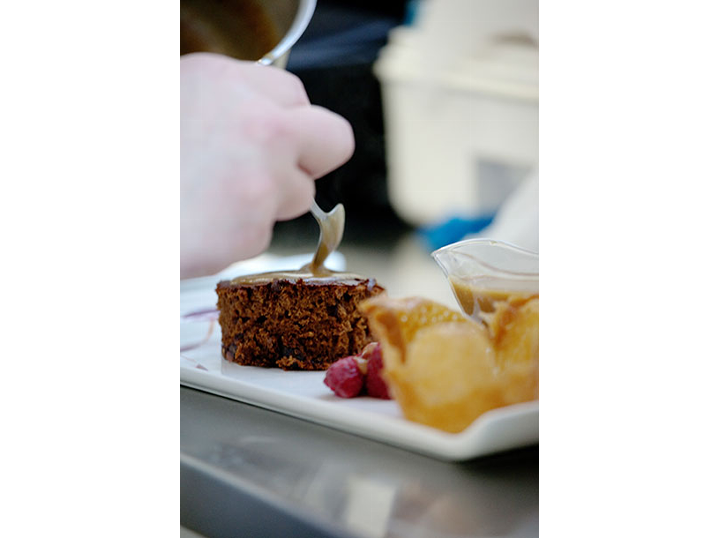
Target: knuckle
[(297, 88), (257, 239), (265, 126)]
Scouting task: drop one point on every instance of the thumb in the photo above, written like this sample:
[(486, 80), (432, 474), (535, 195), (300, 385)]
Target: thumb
[(325, 139)]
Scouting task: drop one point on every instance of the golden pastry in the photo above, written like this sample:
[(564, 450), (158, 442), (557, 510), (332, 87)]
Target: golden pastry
[(445, 370)]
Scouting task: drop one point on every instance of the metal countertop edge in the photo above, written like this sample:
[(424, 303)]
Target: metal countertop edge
[(218, 504)]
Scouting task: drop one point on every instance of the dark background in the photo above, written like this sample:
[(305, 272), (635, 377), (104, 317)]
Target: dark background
[(334, 59)]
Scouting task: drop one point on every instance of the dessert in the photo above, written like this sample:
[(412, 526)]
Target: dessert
[(375, 385), (294, 320), (346, 377), (359, 375), (445, 370)]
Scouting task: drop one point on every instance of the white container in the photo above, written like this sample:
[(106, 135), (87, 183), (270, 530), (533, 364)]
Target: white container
[(460, 98)]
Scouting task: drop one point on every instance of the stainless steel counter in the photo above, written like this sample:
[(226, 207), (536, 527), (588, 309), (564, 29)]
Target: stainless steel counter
[(246, 471)]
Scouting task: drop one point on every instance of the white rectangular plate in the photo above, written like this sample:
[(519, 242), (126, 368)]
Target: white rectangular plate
[(304, 395)]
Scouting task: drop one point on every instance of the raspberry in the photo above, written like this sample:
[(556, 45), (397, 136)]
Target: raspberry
[(345, 377), (374, 383)]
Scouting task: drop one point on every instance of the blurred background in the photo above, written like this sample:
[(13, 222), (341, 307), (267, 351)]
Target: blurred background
[(443, 99), (334, 58)]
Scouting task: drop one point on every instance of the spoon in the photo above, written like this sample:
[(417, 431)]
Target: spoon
[(332, 225)]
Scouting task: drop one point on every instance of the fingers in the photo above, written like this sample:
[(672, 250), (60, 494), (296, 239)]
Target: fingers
[(281, 87), (275, 84), (325, 139), (252, 145), (297, 195)]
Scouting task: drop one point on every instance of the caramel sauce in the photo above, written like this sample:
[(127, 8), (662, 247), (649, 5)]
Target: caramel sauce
[(494, 308), (316, 266), (240, 29), (321, 275), (314, 272)]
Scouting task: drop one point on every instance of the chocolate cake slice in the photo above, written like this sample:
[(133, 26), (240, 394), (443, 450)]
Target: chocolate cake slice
[(293, 321)]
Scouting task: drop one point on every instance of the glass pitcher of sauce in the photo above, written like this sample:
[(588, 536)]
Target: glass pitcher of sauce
[(490, 279), (254, 30)]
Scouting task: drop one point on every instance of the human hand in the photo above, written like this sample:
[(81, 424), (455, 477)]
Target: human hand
[(251, 146)]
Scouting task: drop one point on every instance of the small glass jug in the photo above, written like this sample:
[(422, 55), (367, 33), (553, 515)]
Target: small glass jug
[(485, 274)]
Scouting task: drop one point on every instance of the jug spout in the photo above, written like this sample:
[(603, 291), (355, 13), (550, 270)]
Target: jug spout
[(485, 273)]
